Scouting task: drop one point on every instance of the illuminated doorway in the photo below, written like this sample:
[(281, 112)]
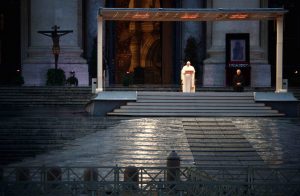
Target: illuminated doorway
[(142, 48)]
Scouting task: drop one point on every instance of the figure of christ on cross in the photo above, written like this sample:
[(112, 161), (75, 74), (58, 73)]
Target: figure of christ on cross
[(55, 35)]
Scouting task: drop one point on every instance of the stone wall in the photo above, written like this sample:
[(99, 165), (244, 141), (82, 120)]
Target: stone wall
[(214, 64), (38, 57)]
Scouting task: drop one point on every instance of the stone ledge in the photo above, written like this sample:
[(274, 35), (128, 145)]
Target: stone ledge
[(116, 95), (284, 102), (273, 96), (107, 101)]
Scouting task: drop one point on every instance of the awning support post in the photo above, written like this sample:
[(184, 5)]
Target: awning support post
[(279, 52), (100, 57)]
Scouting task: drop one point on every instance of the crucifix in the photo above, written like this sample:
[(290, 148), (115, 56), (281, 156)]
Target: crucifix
[(55, 34)]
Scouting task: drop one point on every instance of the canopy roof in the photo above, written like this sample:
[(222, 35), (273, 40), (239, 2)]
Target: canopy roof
[(184, 14)]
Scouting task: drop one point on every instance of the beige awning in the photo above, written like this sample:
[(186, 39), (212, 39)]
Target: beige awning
[(183, 14)]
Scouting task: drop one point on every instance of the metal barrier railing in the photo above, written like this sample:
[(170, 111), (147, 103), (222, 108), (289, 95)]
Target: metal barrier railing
[(149, 181)]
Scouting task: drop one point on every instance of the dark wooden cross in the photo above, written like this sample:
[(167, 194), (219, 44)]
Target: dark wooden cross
[(55, 34)]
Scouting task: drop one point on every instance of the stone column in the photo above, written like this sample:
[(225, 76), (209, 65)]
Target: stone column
[(167, 52), (214, 65), (167, 44), (196, 30), (43, 15), (92, 8)]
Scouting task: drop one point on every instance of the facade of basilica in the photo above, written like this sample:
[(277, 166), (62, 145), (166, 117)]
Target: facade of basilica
[(153, 52)]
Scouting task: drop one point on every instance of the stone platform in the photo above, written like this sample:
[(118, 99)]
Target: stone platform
[(199, 104)]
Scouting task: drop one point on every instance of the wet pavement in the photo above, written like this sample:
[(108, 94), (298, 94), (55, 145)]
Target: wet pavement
[(147, 142), (276, 140), (139, 142)]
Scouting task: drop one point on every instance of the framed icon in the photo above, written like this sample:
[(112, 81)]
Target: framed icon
[(237, 49)]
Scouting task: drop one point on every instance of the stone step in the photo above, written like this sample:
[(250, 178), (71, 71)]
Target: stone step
[(194, 101), (45, 97), (29, 96), (38, 140), (200, 97), (59, 122), (41, 91), (23, 124), (36, 132), (69, 133), (59, 102), (46, 100), (205, 114), (196, 94), (190, 107), (19, 154), (44, 103), (212, 145), (41, 136), (194, 104), (57, 119), (187, 111), (177, 88), (35, 128), (44, 88), (198, 104), (44, 94), (26, 147)]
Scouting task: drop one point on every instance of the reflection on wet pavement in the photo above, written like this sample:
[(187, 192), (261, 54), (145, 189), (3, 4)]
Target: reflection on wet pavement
[(218, 142), (140, 142), (148, 141), (275, 140)]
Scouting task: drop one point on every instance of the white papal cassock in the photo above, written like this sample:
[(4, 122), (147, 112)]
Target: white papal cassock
[(188, 79)]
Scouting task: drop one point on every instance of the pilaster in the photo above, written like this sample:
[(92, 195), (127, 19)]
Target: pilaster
[(214, 65), (196, 30)]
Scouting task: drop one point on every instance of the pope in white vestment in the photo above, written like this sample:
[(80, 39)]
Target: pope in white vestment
[(188, 78)]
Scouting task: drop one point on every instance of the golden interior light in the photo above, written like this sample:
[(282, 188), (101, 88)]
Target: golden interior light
[(141, 16), (189, 16), (238, 16)]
